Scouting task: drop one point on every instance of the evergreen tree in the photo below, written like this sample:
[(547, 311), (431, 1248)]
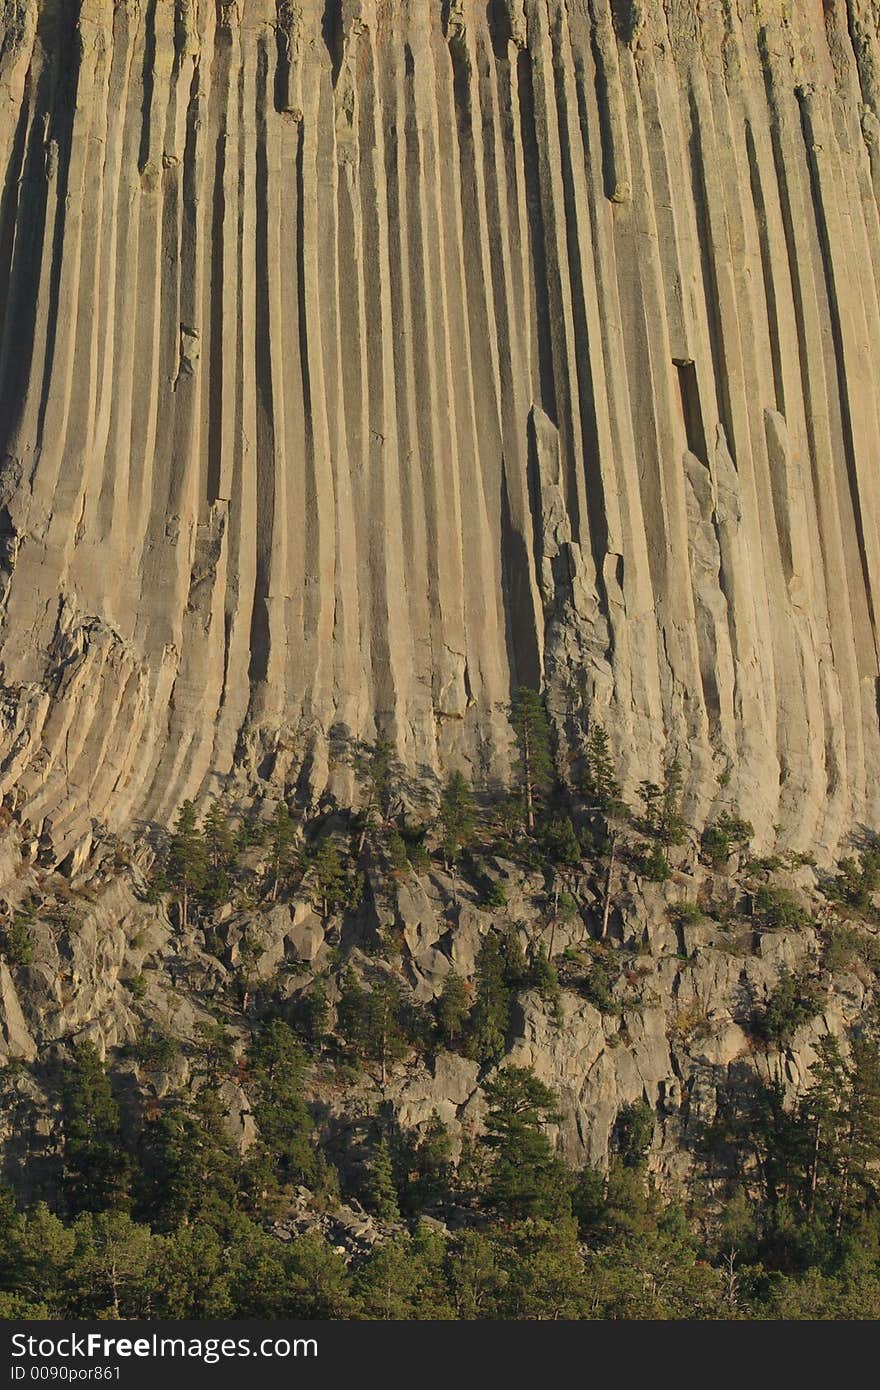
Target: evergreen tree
[(404, 1279), (492, 1008), (96, 1168), (477, 1276), (534, 763), (373, 1022), (453, 1008), (860, 1159), (316, 1015), (114, 1260), (601, 788), (560, 842), (543, 975), (662, 809), (215, 1052), (634, 1133), (457, 818), (187, 863), (189, 1162), (374, 769), (381, 1193), (318, 1281), (430, 1167), (527, 1179), (516, 968), (280, 1111), (724, 836), (282, 835), (545, 1272), (219, 840), (332, 884), (396, 849)]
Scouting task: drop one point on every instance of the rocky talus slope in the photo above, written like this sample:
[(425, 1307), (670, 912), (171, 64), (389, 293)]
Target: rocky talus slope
[(360, 361), (682, 1005)]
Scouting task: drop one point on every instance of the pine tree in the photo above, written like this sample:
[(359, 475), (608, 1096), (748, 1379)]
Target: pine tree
[(381, 1193), (215, 1052), (457, 818), (527, 1179), (96, 1167), (374, 770), (218, 837), (860, 1180), (114, 1264), (280, 1111), (330, 878), (187, 863), (431, 1167), (601, 788), (372, 1021), (316, 1019), (453, 1007), (543, 975), (821, 1115), (492, 1009), (534, 763), (662, 814), (282, 834)]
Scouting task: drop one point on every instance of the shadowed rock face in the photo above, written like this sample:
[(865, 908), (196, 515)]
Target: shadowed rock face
[(361, 360)]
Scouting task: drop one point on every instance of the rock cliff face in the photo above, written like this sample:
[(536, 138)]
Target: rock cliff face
[(680, 1026), (362, 360)]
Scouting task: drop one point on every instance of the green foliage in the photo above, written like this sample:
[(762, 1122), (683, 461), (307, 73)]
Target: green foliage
[(157, 1052), (598, 988), (726, 836), (775, 908), (16, 939), (846, 948), (856, 881), (186, 865), (495, 895), (281, 832), (458, 817), (493, 998), (796, 1000), (280, 1111), (316, 1015), (661, 817), (687, 914), (534, 765), (96, 1168), (378, 1024), (453, 1008), (798, 1237), (380, 1192), (526, 1177), (219, 839), (559, 841), (374, 770), (634, 1133), (333, 885), (601, 790), (395, 847), (543, 975), (655, 863), (428, 1167)]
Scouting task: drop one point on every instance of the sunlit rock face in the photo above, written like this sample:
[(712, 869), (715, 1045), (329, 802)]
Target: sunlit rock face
[(363, 360)]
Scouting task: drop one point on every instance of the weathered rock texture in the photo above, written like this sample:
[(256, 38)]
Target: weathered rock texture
[(682, 1032), (361, 360)]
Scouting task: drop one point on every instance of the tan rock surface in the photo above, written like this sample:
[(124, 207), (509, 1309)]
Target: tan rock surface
[(359, 361)]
